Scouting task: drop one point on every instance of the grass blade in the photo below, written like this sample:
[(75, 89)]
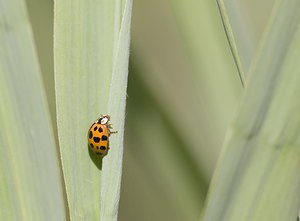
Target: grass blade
[(90, 77), (257, 177), (31, 186), (230, 37), (112, 166), (244, 23)]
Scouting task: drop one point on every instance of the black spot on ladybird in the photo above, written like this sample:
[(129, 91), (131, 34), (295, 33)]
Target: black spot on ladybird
[(92, 145), (104, 137), (90, 134), (96, 139), (103, 148), (98, 153), (100, 130), (97, 147), (95, 128)]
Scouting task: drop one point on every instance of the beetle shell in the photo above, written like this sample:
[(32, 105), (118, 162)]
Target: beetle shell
[(98, 139)]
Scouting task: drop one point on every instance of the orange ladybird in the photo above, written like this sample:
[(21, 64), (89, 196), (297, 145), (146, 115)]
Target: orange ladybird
[(98, 135)]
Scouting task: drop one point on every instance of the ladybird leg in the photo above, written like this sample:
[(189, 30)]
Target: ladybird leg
[(110, 127), (113, 132)]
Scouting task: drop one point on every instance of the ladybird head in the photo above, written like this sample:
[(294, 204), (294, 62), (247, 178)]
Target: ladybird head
[(103, 119)]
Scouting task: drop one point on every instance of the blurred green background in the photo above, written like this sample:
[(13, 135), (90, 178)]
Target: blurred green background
[(183, 91)]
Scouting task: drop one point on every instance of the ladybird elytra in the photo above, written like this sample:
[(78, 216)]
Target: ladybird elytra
[(98, 135)]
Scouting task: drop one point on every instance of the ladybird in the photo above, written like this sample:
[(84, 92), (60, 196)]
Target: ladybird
[(98, 135)]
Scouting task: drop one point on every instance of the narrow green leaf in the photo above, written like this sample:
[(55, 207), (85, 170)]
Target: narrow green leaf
[(83, 39), (244, 23), (30, 183), (91, 55), (112, 166), (258, 174), (231, 40)]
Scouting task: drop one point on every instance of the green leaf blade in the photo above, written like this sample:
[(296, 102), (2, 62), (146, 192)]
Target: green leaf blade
[(86, 47), (257, 176), (82, 55), (31, 185), (244, 23), (112, 165)]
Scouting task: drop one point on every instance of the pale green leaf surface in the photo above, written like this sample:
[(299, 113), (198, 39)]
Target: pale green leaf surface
[(112, 165), (257, 177), (30, 181), (90, 78), (41, 19), (83, 47)]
